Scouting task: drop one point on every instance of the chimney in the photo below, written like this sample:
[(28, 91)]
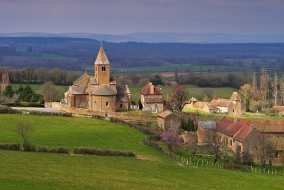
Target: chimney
[(151, 88)]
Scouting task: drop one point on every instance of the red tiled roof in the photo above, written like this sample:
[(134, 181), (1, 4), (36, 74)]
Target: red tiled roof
[(267, 125), (241, 134), (230, 126), (146, 90)]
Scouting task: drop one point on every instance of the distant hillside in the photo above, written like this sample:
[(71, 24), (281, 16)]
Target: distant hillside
[(162, 37)]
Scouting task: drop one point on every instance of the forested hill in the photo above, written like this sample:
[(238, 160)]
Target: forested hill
[(80, 52)]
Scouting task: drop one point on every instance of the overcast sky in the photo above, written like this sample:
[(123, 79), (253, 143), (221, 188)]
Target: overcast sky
[(128, 16)]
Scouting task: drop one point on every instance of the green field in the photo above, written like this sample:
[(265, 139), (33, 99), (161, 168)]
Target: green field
[(37, 55), (36, 87), (151, 170)]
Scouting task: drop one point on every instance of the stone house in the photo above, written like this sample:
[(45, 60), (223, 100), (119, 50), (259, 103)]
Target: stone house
[(151, 98), (167, 120), (205, 131), (99, 92), (232, 106), (193, 103), (233, 134)]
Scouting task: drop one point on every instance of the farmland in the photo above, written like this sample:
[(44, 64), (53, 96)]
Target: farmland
[(150, 170)]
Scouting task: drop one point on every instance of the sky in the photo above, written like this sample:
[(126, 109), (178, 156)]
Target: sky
[(130, 16)]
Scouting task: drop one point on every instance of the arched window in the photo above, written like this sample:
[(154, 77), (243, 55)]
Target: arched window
[(103, 68), (107, 104)]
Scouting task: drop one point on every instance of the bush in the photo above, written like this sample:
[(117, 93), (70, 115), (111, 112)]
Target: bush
[(59, 150), (13, 146), (42, 149), (28, 147), (102, 152)]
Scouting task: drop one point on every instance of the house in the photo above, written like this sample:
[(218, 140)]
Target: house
[(99, 92), (232, 106), (151, 98), (193, 103), (233, 134), (167, 120)]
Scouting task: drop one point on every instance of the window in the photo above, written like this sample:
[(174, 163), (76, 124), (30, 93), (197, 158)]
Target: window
[(276, 154), (231, 142), (107, 104), (103, 68), (95, 103), (120, 105)]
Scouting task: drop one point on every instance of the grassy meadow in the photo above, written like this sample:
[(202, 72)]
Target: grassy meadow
[(150, 170)]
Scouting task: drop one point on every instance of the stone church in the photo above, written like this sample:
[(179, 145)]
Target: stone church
[(99, 92)]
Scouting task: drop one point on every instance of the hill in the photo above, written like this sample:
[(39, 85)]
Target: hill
[(150, 170)]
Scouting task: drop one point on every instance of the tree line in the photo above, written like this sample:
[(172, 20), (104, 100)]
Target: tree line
[(263, 92), (39, 76)]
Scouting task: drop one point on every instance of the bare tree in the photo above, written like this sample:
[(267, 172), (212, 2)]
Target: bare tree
[(178, 97), (216, 147), (50, 92), (265, 149), (275, 89), (24, 129)]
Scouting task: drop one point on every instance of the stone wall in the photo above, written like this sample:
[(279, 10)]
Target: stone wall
[(118, 115)]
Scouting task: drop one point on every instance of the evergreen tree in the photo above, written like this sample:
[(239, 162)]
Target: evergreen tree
[(140, 105), (9, 91)]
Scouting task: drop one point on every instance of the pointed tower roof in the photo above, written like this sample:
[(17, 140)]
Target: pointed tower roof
[(101, 58), (235, 97)]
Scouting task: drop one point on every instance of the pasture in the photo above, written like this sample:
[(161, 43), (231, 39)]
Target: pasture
[(150, 170)]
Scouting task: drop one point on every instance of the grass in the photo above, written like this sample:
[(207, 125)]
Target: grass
[(36, 87), (151, 170)]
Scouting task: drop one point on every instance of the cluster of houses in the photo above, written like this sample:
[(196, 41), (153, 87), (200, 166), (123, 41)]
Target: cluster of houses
[(101, 93)]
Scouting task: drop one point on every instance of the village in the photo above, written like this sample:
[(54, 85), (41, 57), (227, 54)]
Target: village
[(259, 141)]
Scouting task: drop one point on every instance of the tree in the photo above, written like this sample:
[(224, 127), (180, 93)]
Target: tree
[(264, 85), (178, 97), (171, 139), (275, 89), (50, 92), (140, 105), (157, 80), (216, 149), (9, 91), (246, 92), (24, 129), (265, 149)]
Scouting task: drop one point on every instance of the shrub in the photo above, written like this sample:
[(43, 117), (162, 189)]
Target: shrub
[(28, 147), (13, 146), (42, 149), (102, 152)]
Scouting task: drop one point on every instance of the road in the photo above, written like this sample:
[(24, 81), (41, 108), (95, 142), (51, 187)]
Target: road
[(37, 109)]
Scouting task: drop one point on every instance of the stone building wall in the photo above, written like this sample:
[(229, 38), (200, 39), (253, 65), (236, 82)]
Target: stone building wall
[(205, 136), (118, 115)]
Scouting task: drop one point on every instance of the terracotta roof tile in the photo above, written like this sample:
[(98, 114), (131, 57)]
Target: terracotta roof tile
[(243, 132), (146, 90)]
